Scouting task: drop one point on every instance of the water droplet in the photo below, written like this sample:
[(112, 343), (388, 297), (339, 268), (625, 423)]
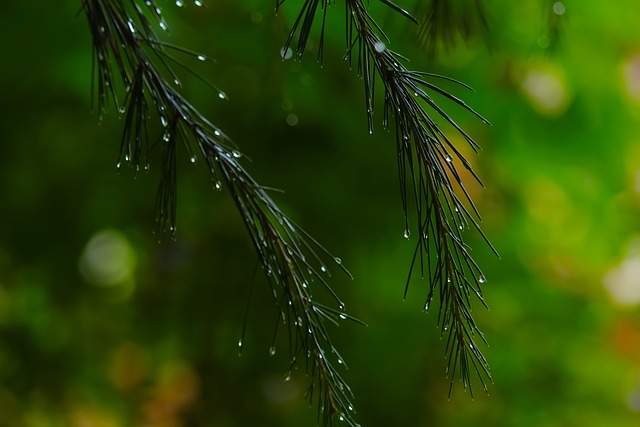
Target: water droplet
[(218, 185), (481, 279), (166, 137), (323, 268), (559, 8), (222, 95), (179, 3), (146, 166), (448, 158), (343, 316), (341, 418), (198, 3), (126, 157), (286, 53), (216, 132), (131, 27), (202, 57), (341, 305), (122, 110), (272, 350), (177, 82), (236, 154), (118, 165), (460, 227), (163, 24), (350, 407), (163, 121), (407, 233), (193, 159), (471, 346), (239, 343), (337, 260), (292, 119), (287, 377), (446, 328), (379, 46), (340, 361)]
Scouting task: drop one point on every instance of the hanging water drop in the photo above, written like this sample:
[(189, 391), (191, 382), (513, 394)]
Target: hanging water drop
[(448, 158), (286, 53), (216, 132), (122, 110), (163, 121), (407, 233), (163, 24), (272, 350), (179, 3), (323, 268), (337, 260), (236, 154), (118, 165), (218, 185), (202, 57), (131, 28), (222, 95), (287, 377), (239, 343), (193, 159), (343, 316), (379, 46), (198, 3), (481, 279)]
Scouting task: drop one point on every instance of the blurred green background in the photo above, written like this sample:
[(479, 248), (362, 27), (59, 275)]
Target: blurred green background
[(101, 325)]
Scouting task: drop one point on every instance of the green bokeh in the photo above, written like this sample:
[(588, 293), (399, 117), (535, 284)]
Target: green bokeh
[(158, 346)]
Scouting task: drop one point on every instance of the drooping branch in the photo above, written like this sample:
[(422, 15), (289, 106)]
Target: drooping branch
[(428, 165), (130, 57), (444, 22)]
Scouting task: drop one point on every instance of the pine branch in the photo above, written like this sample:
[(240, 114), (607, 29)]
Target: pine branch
[(427, 164), (443, 21), (128, 51)]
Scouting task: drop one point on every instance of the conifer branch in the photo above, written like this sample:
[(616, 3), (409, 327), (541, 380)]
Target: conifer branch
[(428, 174), (128, 53), (442, 22)]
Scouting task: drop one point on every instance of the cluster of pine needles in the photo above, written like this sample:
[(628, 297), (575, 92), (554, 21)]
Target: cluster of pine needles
[(134, 71)]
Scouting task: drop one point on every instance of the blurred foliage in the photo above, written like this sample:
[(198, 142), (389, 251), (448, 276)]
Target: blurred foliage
[(150, 337)]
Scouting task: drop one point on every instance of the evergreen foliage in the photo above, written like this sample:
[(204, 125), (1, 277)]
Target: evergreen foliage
[(134, 72)]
